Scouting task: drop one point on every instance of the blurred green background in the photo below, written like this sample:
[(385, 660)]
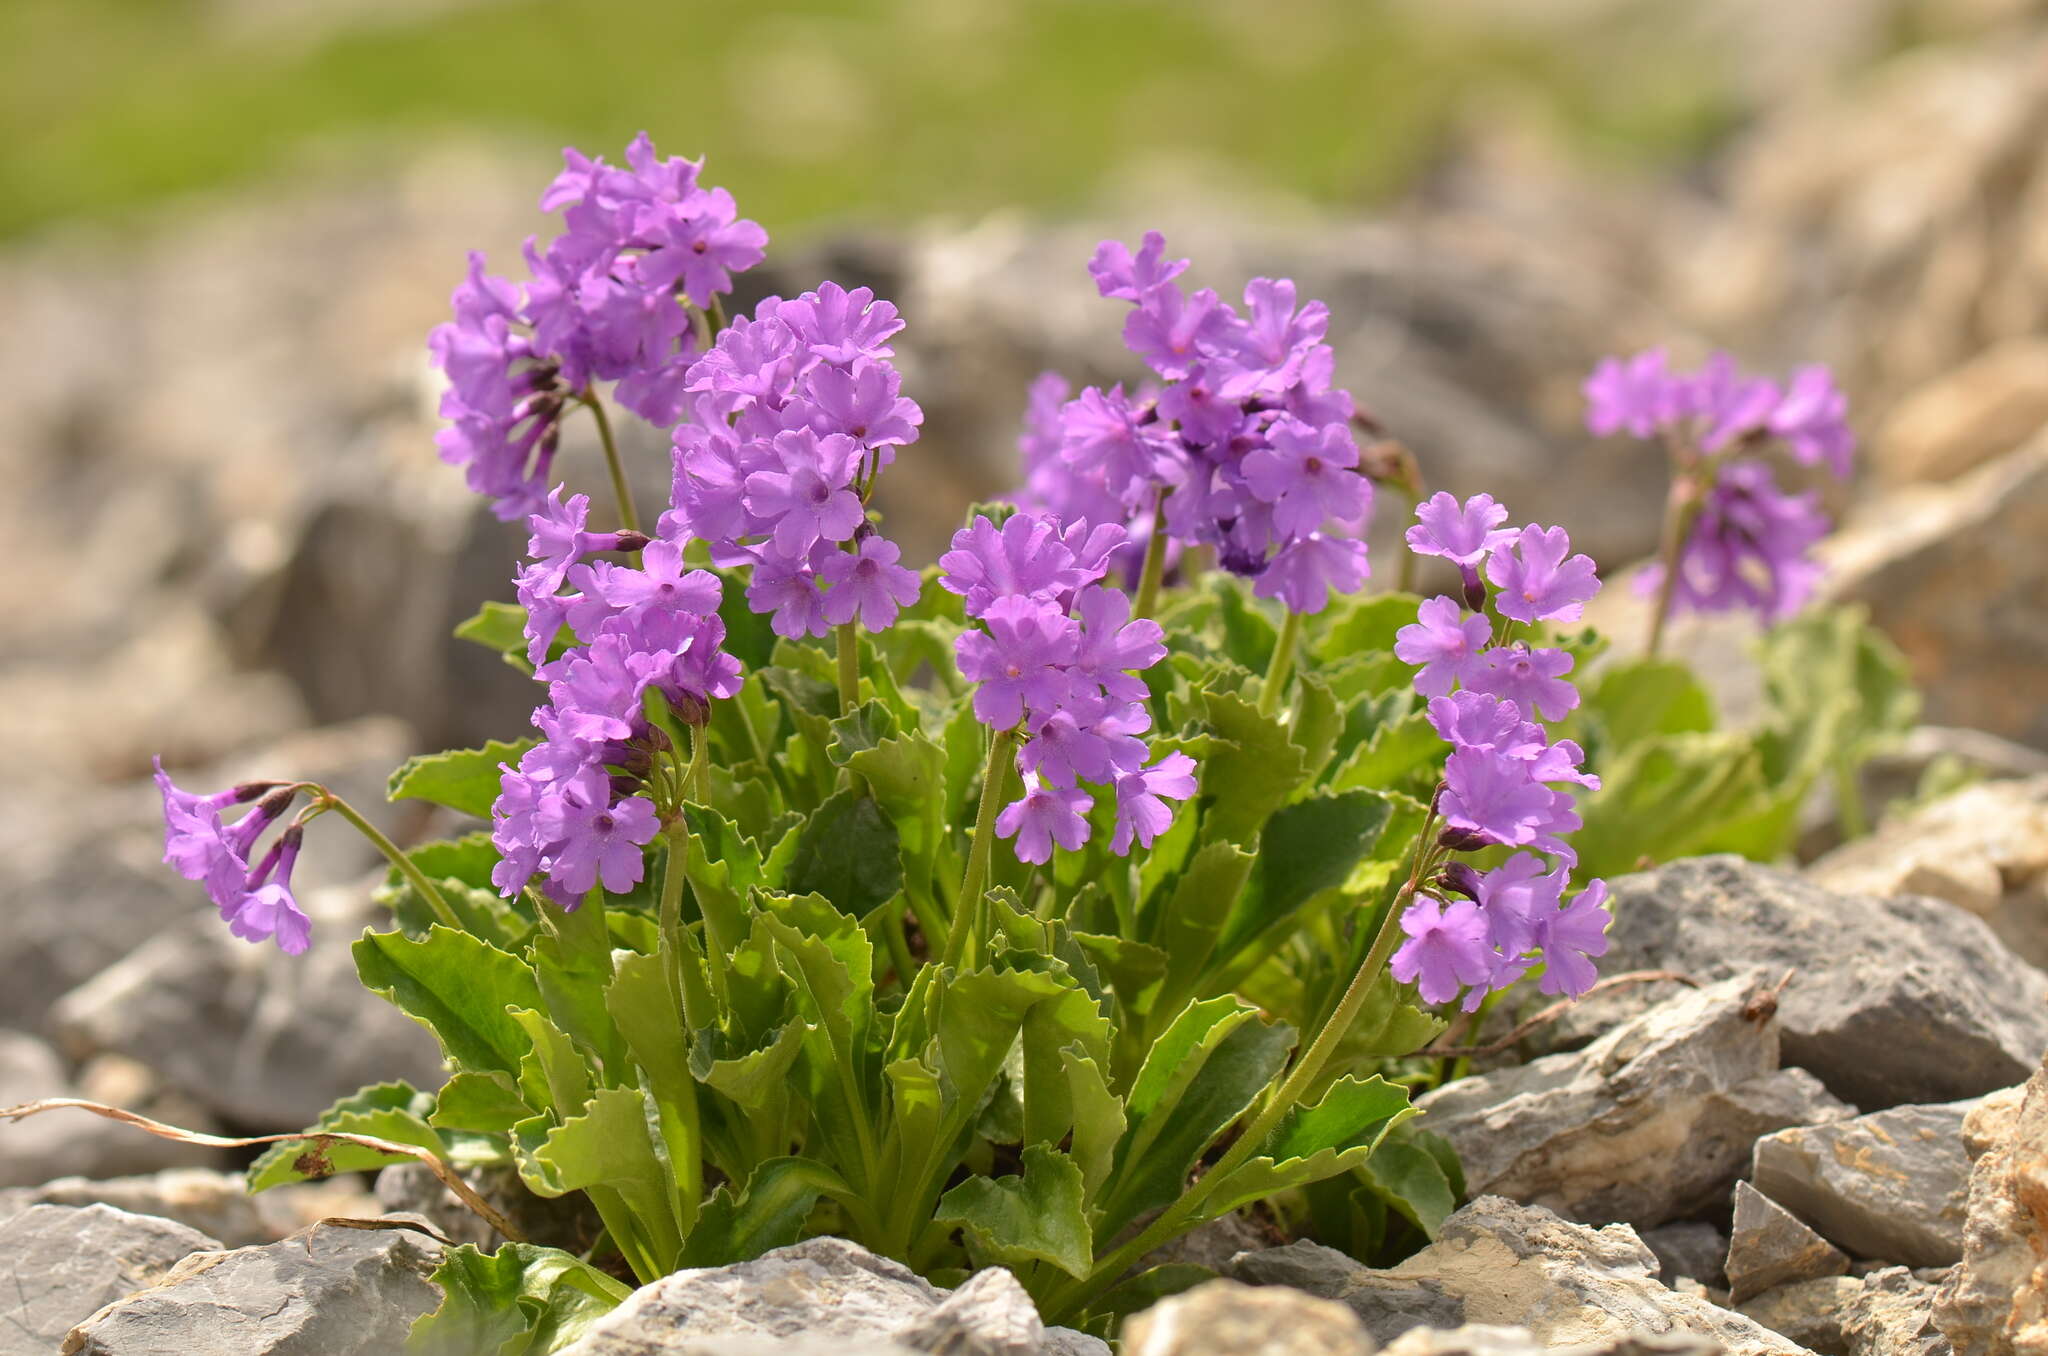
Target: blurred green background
[(870, 110)]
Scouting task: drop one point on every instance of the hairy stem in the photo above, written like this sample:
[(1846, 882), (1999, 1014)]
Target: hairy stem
[(967, 909), (1681, 511), (849, 667), (685, 960), (1155, 561), (1282, 666), (414, 877), (629, 517)]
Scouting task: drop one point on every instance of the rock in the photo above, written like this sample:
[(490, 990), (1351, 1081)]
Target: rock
[(68, 1143), (1984, 849), (1891, 1001), (1970, 414), (1769, 1247), (1808, 1312), (1889, 1186), (1893, 1315), (1651, 1122), (60, 1263), (1996, 1303), (1482, 1339), (1254, 1321), (1497, 1262), (266, 1040), (826, 1290), (331, 1292), (216, 1203), (1212, 1245), (1911, 556), (1689, 1249), (567, 1222)]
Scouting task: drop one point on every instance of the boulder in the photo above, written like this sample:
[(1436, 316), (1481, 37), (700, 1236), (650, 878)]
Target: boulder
[(69, 1143), (1482, 1339), (1769, 1247), (1974, 412), (1893, 1315), (827, 1290), (214, 1202), (1247, 1320), (60, 1263), (1809, 1312), (1689, 1249), (331, 1291), (1652, 1122), (1888, 1186), (1996, 1302), (1891, 1001)]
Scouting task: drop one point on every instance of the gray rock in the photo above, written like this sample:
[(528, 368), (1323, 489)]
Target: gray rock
[(330, 1292), (1769, 1247), (1480, 1339), (215, 1203), (1996, 1303), (1889, 1186), (1893, 1315), (1808, 1312), (1892, 1001), (1220, 1316), (1389, 1304), (567, 1222), (823, 1290), (265, 1040), (1652, 1122), (1503, 1263), (69, 1143), (1689, 1249), (60, 1263)]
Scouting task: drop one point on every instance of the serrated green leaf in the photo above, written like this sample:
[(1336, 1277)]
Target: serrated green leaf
[(768, 1213), (1406, 1171), (1307, 847), (848, 854), (497, 626), (456, 986), (1336, 1134), (461, 779), (1666, 798), (522, 1300), (861, 728), (394, 1111), (1035, 1216), (1364, 625), (484, 1103), (1400, 753), (1250, 768), (1643, 698), (610, 1146)]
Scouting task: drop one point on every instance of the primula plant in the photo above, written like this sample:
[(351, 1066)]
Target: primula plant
[(1030, 908)]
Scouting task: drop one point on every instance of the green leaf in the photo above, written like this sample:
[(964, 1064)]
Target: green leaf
[(500, 627), (461, 779), (609, 1146), (768, 1213), (1364, 626), (393, 1111), (522, 1300), (1400, 752), (1407, 1172), (1308, 847), (485, 1103), (1035, 1216), (1642, 698), (1249, 769), (1666, 799), (458, 988), (861, 728), (1338, 1133), (1194, 915), (848, 854)]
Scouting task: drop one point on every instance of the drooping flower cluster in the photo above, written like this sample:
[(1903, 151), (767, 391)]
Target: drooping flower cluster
[(254, 898), (794, 413), (1057, 661), (603, 303), (583, 802), (1246, 447), (1505, 782), (1748, 542)]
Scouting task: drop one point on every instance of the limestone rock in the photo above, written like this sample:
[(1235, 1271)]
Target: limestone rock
[(60, 1263), (567, 1222), (1690, 1249), (1769, 1247), (1649, 1123), (1480, 1339), (1893, 1315), (1246, 1320), (1968, 415), (1901, 1000), (68, 1143), (1388, 1303), (331, 1292), (827, 1290), (1888, 1186), (1809, 1312), (215, 1203), (1503, 1263), (1984, 849), (1996, 1303)]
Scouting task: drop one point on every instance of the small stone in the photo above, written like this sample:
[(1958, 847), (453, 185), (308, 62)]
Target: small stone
[(330, 1292), (1689, 1248), (1769, 1247), (567, 1222), (988, 1315), (1996, 1302), (1893, 1315), (213, 1202), (1650, 1123), (1808, 1312), (1889, 1186), (1220, 1316), (1482, 1339), (69, 1143), (1387, 1303), (60, 1263)]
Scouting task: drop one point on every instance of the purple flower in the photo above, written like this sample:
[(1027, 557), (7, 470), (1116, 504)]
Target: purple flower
[(1568, 936), (868, 582), (1447, 948), (1111, 644), (1045, 815), (1278, 342), (1462, 534), (839, 327), (1063, 749), (1813, 420), (1102, 439), (1515, 894), (1141, 796), (1169, 328), (1532, 679), (1748, 548), (661, 582), (1308, 568), (788, 586), (1536, 580), (1474, 720), (1026, 558), (256, 902), (864, 403), (1636, 394), (267, 908), (1119, 274), (808, 499), (1726, 405), (1305, 474), (1494, 797), (1446, 642), (1019, 661), (595, 840)]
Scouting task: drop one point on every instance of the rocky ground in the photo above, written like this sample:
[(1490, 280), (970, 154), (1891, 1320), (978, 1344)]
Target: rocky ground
[(231, 544)]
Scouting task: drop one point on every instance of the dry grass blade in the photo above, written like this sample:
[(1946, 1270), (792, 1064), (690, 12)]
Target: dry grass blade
[(447, 1174)]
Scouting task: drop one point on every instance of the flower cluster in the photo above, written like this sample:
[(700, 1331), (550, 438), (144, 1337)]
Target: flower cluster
[(1505, 783), (1245, 447), (795, 412), (1748, 541), (583, 801), (602, 303), (254, 898), (1057, 660)]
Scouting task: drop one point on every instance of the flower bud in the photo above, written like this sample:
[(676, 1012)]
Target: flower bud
[(1462, 840), (248, 791), (629, 541), (1475, 591), (1459, 879)]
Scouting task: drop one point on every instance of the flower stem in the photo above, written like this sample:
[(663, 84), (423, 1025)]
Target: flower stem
[(414, 877), (1681, 511), (629, 518), (1155, 561), (1282, 666), (967, 909), (685, 964), (849, 667)]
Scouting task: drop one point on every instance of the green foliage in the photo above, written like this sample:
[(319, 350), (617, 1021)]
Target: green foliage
[(462, 779), (520, 1300)]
